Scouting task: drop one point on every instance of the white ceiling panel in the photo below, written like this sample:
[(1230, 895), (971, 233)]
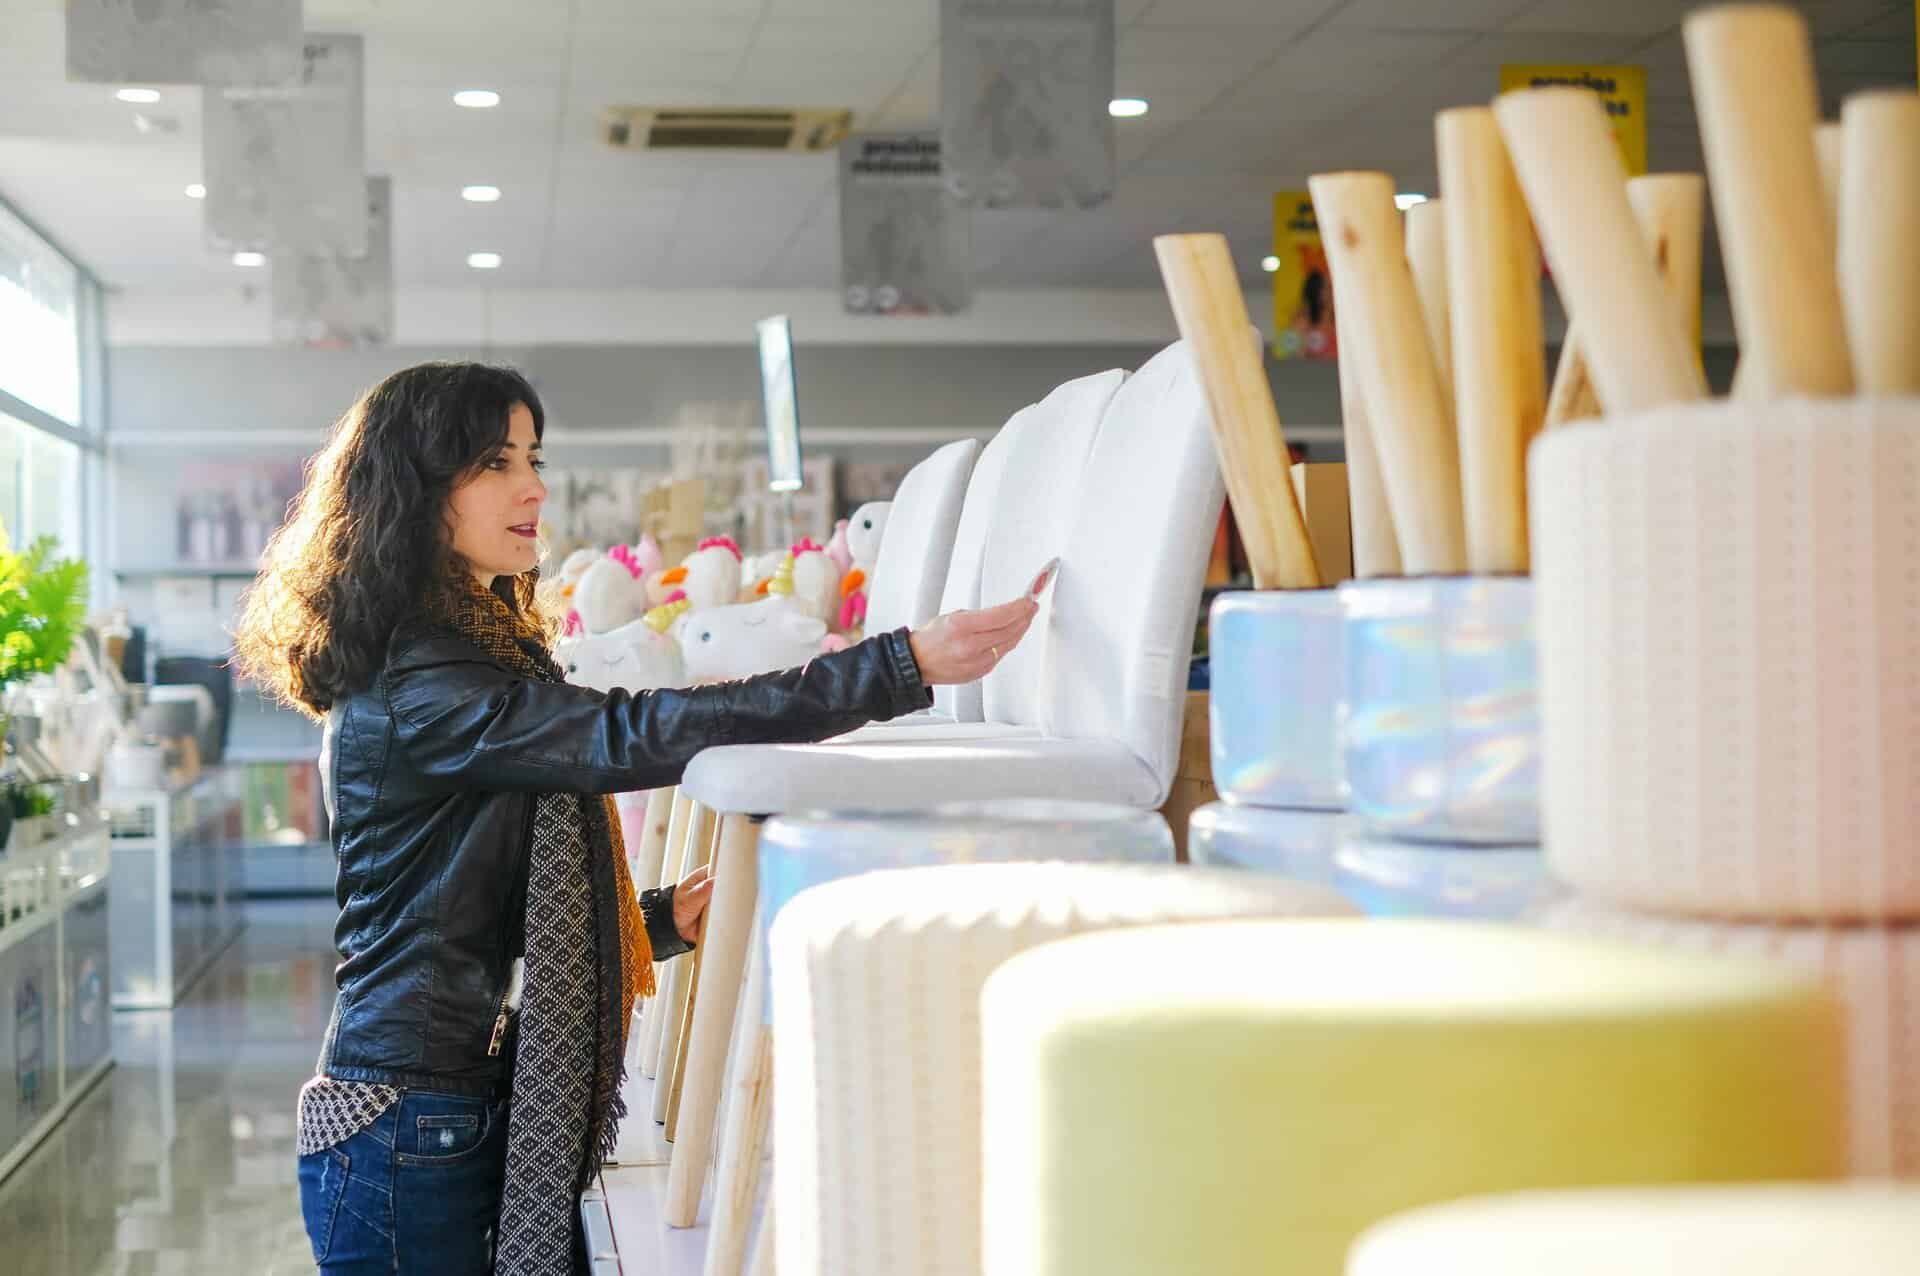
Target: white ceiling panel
[(1248, 96)]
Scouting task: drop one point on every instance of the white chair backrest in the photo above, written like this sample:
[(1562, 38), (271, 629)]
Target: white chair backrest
[(911, 572), (1128, 595), (1039, 497), (962, 592)]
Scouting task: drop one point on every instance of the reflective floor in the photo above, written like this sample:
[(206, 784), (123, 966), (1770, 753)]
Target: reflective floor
[(181, 1159)]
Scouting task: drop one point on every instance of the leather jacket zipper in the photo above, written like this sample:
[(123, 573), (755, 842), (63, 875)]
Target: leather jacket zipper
[(514, 898)]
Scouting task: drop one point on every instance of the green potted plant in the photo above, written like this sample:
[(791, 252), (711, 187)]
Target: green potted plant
[(43, 606)]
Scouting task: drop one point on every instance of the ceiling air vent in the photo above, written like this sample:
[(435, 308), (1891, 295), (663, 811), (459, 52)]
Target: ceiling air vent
[(660, 128)]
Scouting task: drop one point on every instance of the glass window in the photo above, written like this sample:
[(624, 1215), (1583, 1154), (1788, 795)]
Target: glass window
[(40, 315), (39, 487)]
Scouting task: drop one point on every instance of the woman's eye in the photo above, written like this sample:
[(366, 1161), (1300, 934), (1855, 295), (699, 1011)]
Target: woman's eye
[(538, 466), (497, 463)]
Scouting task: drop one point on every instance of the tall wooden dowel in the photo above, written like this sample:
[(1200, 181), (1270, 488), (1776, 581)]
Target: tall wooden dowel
[(1569, 166), (1499, 369), (1880, 240), (1753, 90), (1212, 314), (1412, 422), (1376, 548), (1572, 397), (1672, 211), (673, 862), (1829, 144), (1427, 258)]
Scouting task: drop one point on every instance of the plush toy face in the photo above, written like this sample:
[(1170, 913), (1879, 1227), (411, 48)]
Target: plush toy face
[(711, 577), (633, 656), (576, 565), (864, 531), (749, 638), (608, 596)]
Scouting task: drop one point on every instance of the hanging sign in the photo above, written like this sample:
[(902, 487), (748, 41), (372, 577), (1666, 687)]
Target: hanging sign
[(1622, 90), (1025, 87), (904, 247), (215, 42), (328, 300), (286, 167), (1302, 284)]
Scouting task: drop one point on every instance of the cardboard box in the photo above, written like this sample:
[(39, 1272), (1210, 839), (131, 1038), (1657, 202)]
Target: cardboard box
[(1321, 488)]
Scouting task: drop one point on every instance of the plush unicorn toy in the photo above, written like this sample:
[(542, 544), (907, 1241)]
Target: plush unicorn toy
[(611, 592), (723, 643), (636, 657)]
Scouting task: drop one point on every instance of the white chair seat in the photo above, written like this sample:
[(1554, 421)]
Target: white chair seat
[(902, 773), (935, 728)]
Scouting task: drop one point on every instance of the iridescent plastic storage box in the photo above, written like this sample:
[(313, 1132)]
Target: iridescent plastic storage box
[(1275, 700)]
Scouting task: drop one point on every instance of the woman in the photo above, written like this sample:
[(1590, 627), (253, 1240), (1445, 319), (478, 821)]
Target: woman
[(454, 1119)]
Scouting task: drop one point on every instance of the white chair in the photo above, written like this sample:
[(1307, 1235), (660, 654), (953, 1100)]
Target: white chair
[(1088, 709)]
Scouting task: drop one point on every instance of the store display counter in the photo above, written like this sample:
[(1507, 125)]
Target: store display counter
[(56, 1032)]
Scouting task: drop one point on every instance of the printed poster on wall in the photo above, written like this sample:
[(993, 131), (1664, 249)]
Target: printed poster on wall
[(904, 247), (1024, 92), (1303, 285), (1622, 90)]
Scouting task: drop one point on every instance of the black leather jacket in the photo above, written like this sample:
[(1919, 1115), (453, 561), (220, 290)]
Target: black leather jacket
[(434, 769)]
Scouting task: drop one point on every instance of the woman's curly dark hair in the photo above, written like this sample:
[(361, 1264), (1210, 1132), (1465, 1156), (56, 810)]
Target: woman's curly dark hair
[(367, 543)]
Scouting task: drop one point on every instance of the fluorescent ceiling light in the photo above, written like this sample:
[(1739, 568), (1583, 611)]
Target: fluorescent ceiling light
[(196, 191), (476, 98), (1269, 264), (479, 194), (1126, 108), (1407, 199), (249, 259), (484, 261), (139, 96)]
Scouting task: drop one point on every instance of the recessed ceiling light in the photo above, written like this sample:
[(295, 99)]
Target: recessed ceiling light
[(1269, 264), (196, 191), (476, 98), (1407, 199), (1126, 108), (139, 96), (249, 259), (479, 194), (484, 261)]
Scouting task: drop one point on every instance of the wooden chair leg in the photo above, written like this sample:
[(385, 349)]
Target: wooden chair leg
[(729, 934), (685, 972), (763, 1260), (745, 1124), (672, 869)]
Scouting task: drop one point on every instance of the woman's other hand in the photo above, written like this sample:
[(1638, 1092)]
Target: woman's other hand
[(690, 899), (963, 646)]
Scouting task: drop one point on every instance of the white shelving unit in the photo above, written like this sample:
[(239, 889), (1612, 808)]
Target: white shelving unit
[(56, 1025), (180, 879)]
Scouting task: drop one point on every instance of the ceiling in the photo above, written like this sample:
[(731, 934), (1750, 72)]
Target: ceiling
[(1248, 97)]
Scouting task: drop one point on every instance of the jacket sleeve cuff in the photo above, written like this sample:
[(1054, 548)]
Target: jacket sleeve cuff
[(664, 937), (911, 693)]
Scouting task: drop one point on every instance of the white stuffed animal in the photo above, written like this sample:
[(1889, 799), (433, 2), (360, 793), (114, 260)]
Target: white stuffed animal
[(816, 581), (724, 643), (710, 576), (608, 595), (574, 567), (864, 531), (635, 656)]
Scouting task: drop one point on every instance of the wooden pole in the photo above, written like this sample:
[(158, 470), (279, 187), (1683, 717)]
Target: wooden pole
[(1412, 421), (1569, 166), (1376, 549), (1427, 258), (1753, 89), (1212, 314), (1500, 378), (1672, 211), (1880, 240)]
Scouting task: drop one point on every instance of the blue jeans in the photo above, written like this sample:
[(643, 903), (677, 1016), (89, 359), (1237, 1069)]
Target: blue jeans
[(417, 1193)]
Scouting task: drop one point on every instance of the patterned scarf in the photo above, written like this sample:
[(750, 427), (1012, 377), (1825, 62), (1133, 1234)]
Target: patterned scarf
[(587, 962)]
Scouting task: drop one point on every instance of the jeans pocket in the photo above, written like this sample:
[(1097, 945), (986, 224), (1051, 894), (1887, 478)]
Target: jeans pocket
[(323, 1182), (439, 1128)]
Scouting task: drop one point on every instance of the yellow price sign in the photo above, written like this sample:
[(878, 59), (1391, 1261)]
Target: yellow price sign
[(1622, 90), (1302, 284)]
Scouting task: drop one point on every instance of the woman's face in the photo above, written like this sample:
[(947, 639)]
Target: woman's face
[(495, 515)]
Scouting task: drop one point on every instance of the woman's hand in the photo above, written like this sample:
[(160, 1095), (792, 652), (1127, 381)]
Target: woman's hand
[(690, 900), (963, 646)]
